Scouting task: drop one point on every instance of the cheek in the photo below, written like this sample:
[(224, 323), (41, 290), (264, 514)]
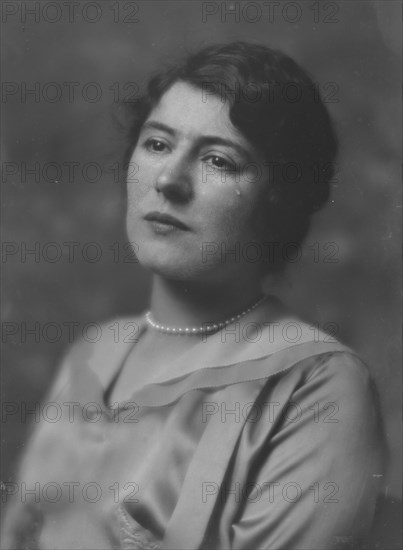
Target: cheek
[(237, 208), (236, 218), (139, 178)]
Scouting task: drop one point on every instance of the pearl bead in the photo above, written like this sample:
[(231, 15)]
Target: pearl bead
[(199, 330)]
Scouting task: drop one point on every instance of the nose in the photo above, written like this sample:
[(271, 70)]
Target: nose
[(174, 180)]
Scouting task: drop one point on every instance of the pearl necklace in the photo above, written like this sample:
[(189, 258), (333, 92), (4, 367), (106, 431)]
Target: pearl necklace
[(213, 327)]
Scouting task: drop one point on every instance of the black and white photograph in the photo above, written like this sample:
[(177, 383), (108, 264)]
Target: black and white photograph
[(201, 275)]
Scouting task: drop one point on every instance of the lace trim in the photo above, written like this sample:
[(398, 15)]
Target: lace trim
[(132, 535)]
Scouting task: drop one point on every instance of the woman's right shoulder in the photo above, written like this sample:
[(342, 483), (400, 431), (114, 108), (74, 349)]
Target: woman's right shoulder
[(100, 337), (101, 347)]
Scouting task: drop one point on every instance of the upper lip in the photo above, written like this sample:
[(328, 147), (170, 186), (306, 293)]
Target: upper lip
[(165, 218)]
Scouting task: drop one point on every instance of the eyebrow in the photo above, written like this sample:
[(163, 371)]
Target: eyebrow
[(202, 140)]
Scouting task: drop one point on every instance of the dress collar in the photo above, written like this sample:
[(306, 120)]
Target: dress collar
[(266, 330)]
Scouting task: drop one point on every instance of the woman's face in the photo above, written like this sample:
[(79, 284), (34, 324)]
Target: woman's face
[(192, 164)]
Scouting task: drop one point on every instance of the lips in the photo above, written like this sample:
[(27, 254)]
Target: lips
[(166, 219)]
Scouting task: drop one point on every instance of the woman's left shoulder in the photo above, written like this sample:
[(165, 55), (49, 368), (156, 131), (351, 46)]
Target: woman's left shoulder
[(313, 350), (341, 382), (342, 368), (339, 363), (318, 365)]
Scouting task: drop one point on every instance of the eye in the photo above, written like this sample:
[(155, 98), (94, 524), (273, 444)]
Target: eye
[(155, 145), (220, 163)]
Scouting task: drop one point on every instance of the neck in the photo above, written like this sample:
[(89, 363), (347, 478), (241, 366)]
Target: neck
[(179, 303)]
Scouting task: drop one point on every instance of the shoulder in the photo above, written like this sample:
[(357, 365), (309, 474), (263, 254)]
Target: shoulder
[(310, 351), (320, 372), (339, 371), (111, 335), (100, 349), (339, 388), (337, 364), (290, 345), (330, 401)]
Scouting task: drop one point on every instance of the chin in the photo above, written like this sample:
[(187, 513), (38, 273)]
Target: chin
[(176, 268)]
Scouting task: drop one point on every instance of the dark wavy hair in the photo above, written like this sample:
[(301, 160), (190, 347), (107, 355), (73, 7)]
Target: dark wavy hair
[(276, 106)]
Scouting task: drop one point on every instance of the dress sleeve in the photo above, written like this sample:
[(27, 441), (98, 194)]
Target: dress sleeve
[(315, 480), (23, 516)]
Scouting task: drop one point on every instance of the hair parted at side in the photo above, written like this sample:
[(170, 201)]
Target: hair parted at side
[(276, 106)]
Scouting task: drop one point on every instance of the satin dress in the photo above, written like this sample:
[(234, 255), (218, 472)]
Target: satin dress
[(264, 436)]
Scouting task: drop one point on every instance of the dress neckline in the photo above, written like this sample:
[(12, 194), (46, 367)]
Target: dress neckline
[(211, 363)]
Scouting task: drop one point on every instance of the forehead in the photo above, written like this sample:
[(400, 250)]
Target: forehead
[(190, 113)]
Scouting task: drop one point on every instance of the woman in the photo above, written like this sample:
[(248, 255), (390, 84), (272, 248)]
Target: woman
[(218, 428)]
